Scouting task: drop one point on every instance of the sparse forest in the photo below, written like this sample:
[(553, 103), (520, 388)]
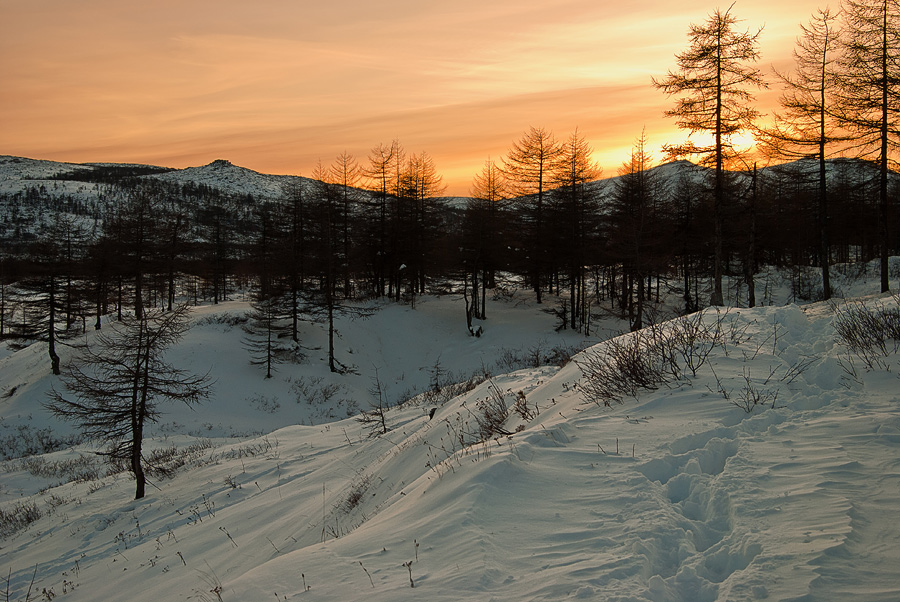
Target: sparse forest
[(352, 385), (379, 226)]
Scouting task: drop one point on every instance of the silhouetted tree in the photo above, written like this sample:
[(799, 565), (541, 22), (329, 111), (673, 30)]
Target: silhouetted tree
[(378, 174), (869, 95), (806, 128), (269, 315), (529, 167), (574, 208), (115, 382), (293, 256), (326, 295), (346, 173), (635, 235), (713, 81), (418, 205), (481, 235)]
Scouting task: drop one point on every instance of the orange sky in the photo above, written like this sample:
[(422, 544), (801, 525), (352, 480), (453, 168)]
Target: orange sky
[(276, 85)]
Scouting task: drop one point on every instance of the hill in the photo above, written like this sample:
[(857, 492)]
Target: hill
[(771, 472)]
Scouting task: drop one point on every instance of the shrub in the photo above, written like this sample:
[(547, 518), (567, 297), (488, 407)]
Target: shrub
[(18, 517), (23, 440), (649, 358), (869, 331), (81, 468), (490, 414)]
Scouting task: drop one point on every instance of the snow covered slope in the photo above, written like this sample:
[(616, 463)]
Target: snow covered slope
[(677, 493), (231, 179)]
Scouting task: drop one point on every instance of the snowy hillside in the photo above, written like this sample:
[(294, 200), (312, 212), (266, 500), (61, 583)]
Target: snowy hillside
[(17, 174), (231, 179), (20, 168), (764, 463)]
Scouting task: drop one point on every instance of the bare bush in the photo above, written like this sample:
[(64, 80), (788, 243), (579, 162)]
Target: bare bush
[(314, 391), (491, 413), (166, 461), (225, 319), (870, 331), (18, 517), (356, 494), (648, 359), (521, 407), (692, 339), (81, 468), (536, 356), (750, 395), (23, 440), (269, 405), (623, 366)]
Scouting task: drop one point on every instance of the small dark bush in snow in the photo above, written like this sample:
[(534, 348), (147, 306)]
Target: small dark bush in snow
[(19, 516)]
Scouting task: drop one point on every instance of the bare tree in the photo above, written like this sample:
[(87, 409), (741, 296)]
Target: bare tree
[(420, 188), (346, 173), (806, 128), (713, 81), (574, 205), (869, 86), (378, 174), (529, 168), (114, 384), (294, 248), (634, 227), (482, 234), (275, 307), (375, 418)]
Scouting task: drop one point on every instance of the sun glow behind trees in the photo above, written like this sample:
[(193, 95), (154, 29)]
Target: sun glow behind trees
[(278, 94)]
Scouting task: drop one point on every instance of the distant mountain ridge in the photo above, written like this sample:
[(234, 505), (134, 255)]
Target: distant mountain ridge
[(17, 174)]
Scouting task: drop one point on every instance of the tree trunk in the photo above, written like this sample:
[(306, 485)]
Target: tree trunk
[(51, 330)]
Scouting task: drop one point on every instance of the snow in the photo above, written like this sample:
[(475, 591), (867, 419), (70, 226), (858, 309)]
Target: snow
[(21, 168), (677, 494), (231, 179)]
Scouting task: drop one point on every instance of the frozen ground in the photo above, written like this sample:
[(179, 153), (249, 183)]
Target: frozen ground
[(677, 493)]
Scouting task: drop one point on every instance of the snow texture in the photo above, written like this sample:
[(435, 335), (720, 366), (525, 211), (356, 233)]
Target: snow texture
[(677, 494)]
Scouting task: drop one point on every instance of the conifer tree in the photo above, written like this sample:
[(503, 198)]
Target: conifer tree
[(529, 168), (114, 384), (574, 208), (806, 128), (713, 82), (869, 94)]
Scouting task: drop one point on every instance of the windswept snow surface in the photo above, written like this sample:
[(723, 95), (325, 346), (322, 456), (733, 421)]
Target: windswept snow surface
[(677, 494)]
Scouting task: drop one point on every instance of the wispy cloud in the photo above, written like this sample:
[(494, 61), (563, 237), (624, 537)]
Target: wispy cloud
[(276, 85)]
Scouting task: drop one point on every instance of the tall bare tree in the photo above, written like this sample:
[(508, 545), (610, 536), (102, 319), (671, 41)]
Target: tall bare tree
[(295, 248), (870, 93), (713, 81), (378, 174), (529, 169), (575, 205), (114, 384), (634, 222), (420, 190), (806, 128), (346, 173), (482, 234)]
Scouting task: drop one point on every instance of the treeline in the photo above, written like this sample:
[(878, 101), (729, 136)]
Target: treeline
[(379, 227)]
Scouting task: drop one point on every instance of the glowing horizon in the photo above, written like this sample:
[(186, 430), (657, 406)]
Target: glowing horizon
[(277, 86)]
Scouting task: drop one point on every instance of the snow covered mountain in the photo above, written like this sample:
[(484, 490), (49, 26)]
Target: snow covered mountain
[(18, 174), (61, 182)]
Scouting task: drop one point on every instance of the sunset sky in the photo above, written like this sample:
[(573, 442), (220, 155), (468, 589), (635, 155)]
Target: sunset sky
[(276, 85)]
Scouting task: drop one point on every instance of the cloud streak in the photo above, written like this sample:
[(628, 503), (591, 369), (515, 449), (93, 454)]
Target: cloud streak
[(276, 86)]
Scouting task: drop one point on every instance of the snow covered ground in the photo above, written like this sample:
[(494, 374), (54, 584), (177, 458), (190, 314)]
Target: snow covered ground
[(677, 493)]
